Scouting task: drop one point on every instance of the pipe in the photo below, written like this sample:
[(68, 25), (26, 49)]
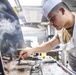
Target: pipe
[(59, 64)]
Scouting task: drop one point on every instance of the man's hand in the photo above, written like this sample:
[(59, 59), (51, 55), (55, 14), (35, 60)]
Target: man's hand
[(25, 53)]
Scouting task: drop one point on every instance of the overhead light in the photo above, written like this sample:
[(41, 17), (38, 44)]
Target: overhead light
[(30, 2), (42, 27), (44, 21)]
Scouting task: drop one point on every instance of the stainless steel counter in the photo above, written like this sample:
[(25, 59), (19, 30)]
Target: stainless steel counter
[(39, 67)]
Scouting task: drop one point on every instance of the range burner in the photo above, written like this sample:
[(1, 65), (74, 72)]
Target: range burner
[(36, 70)]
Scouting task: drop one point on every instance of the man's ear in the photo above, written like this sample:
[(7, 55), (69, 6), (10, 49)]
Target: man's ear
[(62, 10)]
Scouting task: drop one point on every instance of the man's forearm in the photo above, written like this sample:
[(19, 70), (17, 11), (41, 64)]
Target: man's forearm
[(47, 46)]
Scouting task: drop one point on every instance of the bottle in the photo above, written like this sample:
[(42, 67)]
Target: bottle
[(43, 55)]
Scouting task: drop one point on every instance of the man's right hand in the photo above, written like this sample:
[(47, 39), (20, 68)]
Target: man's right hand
[(25, 53)]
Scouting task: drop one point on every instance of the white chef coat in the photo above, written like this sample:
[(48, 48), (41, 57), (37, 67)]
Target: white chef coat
[(70, 47)]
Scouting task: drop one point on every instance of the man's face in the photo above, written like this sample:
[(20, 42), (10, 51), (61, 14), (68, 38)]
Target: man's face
[(56, 19)]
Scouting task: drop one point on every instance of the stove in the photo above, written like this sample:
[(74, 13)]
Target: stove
[(36, 70), (37, 67)]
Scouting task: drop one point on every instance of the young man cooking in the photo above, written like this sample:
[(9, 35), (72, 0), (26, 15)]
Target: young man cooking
[(61, 18)]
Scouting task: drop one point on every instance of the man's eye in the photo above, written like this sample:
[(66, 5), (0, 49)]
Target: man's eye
[(52, 19)]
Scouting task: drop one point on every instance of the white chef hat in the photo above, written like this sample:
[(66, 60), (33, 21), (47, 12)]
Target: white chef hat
[(48, 6)]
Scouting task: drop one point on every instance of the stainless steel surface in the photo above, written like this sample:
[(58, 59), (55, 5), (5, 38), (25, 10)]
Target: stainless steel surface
[(53, 69), (38, 67), (71, 73)]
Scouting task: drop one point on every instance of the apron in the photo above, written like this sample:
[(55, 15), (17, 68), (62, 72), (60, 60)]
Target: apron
[(70, 47)]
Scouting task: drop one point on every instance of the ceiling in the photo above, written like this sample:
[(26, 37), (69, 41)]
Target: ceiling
[(33, 13), (30, 13)]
